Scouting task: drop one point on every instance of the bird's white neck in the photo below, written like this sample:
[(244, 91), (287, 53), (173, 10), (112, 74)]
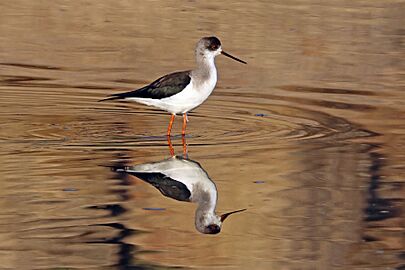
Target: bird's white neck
[(205, 215), (204, 76), (207, 206), (205, 212), (205, 69)]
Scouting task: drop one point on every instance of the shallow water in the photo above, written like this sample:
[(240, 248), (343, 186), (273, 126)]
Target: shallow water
[(309, 136)]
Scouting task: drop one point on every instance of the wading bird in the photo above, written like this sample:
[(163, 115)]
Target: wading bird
[(181, 92)]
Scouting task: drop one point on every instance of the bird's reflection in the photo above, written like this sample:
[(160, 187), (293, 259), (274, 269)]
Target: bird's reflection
[(183, 179)]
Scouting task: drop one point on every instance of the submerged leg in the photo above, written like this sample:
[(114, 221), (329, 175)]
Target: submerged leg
[(169, 128), (185, 120)]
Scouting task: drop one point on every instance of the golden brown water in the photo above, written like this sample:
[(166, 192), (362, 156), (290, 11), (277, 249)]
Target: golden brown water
[(309, 136)]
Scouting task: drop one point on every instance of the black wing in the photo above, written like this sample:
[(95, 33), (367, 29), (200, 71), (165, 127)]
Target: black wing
[(163, 87), (166, 185)]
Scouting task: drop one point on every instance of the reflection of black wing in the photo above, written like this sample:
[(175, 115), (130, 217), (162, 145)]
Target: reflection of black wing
[(166, 185)]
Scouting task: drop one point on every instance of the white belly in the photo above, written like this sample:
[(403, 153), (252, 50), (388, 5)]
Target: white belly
[(190, 98)]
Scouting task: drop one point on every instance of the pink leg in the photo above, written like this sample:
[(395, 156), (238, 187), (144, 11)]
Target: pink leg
[(183, 139), (170, 125), (171, 149), (183, 131)]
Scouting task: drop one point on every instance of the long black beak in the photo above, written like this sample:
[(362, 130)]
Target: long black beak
[(224, 216), (233, 57)]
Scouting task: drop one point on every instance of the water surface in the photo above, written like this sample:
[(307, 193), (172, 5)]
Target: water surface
[(309, 136)]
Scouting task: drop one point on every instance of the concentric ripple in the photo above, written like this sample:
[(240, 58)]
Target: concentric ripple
[(227, 119)]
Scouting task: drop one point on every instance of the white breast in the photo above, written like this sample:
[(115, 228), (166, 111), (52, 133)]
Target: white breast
[(191, 97)]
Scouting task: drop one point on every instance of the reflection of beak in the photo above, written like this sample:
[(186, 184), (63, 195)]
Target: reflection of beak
[(224, 216), (233, 57)]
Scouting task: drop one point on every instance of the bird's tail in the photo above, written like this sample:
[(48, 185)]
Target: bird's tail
[(122, 95), (112, 97)]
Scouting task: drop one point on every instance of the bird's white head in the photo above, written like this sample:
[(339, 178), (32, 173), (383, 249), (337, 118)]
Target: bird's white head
[(210, 223), (209, 47)]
